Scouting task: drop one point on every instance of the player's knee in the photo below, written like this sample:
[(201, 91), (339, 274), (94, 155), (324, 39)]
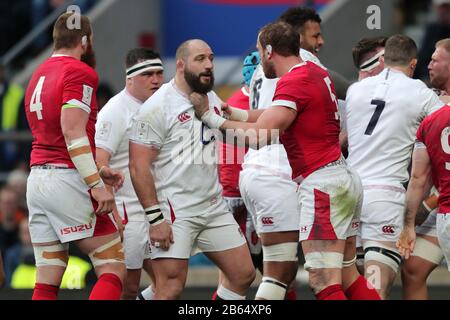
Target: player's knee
[(171, 290), (53, 255), (318, 265), (243, 277), (284, 252), (110, 258), (246, 276), (412, 273), (375, 251)]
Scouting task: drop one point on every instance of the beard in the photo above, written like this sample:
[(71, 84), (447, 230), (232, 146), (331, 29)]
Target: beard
[(438, 82), (194, 81), (89, 56), (269, 70)]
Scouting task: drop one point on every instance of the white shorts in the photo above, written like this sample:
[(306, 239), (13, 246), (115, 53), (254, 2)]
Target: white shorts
[(428, 227), (209, 232), (136, 244), (270, 199), (443, 233), (245, 222), (382, 213), (61, 208), (330, 202)]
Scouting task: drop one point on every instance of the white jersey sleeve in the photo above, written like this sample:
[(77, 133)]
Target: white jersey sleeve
[(150, 126), (110, 128), (432, 102)]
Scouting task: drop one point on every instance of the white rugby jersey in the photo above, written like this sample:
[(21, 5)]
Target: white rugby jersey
[(382, 114), (272, 157), (185, 171), (113, 130)]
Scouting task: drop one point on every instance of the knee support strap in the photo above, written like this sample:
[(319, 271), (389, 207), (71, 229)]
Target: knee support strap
[(281, 252), (428, 251), (111, 252), (55, 255), (271, 289), (381, 253), (323, 260)]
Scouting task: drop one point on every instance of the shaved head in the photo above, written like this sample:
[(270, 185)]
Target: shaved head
[(186, 47)]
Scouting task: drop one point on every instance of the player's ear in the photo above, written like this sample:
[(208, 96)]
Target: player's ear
[(269, 51), (84, 42), (413, 64), (180, 64)]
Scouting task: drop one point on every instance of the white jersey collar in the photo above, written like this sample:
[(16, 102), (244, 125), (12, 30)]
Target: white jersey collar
[(297, 66), (130, 96)]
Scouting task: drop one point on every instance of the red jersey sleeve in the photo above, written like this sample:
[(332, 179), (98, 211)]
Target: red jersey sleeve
[(287, 94), (79, 86)]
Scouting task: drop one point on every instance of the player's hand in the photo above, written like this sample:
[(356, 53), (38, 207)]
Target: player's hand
[(105, 200), (119, 222), (226, 110), (161, 235), (200, 103), (407, 241), (112, 177)]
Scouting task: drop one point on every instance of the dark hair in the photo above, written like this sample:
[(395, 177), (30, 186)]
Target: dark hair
[(364, 46), (66, 37), (135, 55), (399, 50), (282, 37), (298, 16)]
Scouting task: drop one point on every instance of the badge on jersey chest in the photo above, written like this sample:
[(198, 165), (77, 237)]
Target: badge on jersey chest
[(87, 94), (104, 131), (184, 117), (143, 129)]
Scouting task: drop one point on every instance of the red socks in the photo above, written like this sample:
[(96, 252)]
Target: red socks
[(334, 292), (108, 287), (361, 289), (214, 296), (45, 292)]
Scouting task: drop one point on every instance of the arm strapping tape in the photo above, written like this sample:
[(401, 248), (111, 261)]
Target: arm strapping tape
[(81, 155)]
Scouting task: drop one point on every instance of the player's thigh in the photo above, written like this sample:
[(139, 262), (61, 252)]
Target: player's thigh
[(170, 270), (443, 232), (382, 214), (136, 244), (272, 201), (223, 242), (184, 232), (60, 206), (329, 201)]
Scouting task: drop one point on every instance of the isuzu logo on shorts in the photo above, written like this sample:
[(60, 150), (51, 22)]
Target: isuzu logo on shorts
[(80, 228), (267, 221), (388, 229), (184, 117)]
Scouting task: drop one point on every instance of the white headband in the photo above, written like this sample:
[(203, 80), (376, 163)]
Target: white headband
[(137, 69), (372, 63)]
